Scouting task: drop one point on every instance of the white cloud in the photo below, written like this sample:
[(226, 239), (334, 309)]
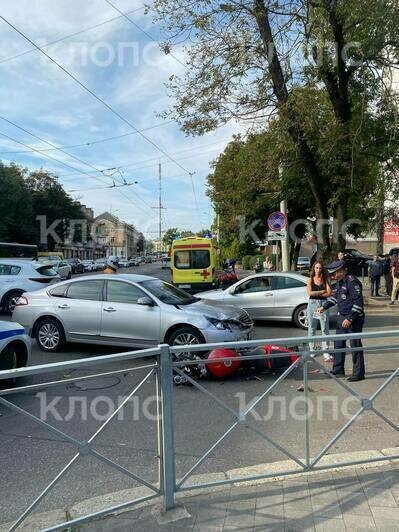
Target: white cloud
[(39, 96)]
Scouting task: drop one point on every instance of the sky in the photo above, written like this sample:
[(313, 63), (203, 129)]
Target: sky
[(123, 67)]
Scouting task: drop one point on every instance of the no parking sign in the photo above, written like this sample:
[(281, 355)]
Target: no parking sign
[(277, 221)]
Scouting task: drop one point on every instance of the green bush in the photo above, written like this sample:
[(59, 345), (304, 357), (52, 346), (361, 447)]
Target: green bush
[(247, 262)]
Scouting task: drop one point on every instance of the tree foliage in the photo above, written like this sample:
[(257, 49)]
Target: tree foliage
[(251, 59), (24, 196)]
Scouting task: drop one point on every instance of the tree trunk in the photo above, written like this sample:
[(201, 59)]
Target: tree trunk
[(295, 131)]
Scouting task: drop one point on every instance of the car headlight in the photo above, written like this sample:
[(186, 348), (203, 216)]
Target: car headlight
[(219, 324)]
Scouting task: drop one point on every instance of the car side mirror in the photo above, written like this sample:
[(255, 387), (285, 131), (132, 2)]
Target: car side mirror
[(145, 301)]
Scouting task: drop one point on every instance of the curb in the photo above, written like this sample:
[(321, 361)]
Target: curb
[(274, 470)]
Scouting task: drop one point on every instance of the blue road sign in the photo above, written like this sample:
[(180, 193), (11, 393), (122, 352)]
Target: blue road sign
[(277, 221)]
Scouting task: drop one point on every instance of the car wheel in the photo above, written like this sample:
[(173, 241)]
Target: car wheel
[(301, 317), (50, 335), (11, 300), (8, 360), (186, 336)]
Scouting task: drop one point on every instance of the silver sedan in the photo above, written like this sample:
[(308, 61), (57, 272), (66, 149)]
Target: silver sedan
[(126, 310), (269, 296)]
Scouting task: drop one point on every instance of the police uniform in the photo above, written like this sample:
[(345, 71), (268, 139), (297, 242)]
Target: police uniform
[(349, 298)]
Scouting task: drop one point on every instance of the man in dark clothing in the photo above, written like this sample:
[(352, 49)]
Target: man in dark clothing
[(375, 272), (349, 298)]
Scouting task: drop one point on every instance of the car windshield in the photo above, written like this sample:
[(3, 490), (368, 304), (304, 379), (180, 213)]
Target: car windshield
[(167, 293), (48, 271), (50, 258), (356, 253)]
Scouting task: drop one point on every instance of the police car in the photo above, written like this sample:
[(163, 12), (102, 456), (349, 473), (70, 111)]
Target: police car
[(15, 348)]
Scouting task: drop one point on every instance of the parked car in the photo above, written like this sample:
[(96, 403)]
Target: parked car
[(126, 310), (100, 264), (165, 262), (134, 262), (63, 269), (267, 296), (357, 262), (148, 260), (76, 265), (123, 263), (303, 263), (89, 265), (18, 276), (15, 348)]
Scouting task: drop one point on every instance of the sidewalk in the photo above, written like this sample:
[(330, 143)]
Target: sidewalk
[(356, 499)]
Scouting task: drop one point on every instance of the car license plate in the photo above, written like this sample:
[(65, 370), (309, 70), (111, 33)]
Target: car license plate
[(184, 286)]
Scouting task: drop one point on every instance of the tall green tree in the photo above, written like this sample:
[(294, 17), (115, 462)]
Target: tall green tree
[(170, 235), (247, 58), (15, 206), (56, 208)]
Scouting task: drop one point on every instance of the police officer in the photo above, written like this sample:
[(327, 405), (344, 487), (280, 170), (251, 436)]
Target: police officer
[(349, 298)]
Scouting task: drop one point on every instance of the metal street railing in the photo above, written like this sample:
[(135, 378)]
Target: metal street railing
[(163, 362)]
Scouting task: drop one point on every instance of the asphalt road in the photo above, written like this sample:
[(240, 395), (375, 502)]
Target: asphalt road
[(31, 456)]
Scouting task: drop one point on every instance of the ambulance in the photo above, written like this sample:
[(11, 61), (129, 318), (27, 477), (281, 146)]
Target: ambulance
[(194, 263)]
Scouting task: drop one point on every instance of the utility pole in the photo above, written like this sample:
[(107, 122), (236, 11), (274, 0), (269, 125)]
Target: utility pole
[(285, 254), (160, 200)]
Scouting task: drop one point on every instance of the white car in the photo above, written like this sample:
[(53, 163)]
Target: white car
[(15, 347), (123, 263), (165, 263), (89, 265), (18, 276), (303, 263), (63, 269), (277, 296)]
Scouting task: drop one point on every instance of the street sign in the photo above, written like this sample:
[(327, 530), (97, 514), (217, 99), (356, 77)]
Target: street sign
[(277, 235), (277, 221)]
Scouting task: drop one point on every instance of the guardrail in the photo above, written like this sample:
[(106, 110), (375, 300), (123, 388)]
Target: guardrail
[(164, 363)]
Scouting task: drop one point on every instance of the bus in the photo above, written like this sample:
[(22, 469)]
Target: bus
[(12, 250), (194, 263)]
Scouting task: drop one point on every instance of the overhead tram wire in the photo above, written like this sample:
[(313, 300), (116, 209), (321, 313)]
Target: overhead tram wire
[(91, 143), (66, 153), (61, 39), (53, 146), (87, 89), (35, 150), (103, 102), (174, 153), (174, 57)]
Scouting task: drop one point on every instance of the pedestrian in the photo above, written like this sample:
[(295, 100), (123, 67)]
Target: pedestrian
[(319, 289), (387, 275), (232, 265), (268, 265), (375, 272), (349, 298), (341, 255), (111, 266), (395, 279)]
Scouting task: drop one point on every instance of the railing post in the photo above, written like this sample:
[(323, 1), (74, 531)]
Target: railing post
[(168, 449), (306, 397)]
